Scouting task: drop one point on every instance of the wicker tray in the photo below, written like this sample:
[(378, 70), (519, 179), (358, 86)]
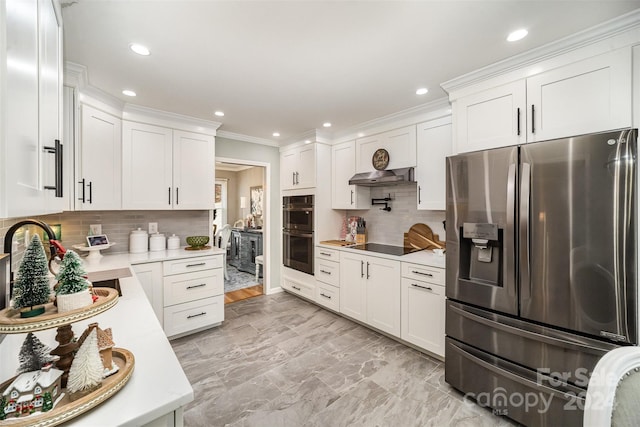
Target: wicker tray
[(66, 409), (12, 323)]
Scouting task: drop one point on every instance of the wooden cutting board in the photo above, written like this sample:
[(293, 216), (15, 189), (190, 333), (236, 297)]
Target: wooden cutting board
[(336, 243), (420, 236)]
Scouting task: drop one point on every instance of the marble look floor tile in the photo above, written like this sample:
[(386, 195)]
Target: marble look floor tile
[(279, 361), (351, 370), (293, 407)]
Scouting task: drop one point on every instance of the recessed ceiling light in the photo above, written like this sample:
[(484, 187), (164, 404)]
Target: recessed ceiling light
[(517, 35), (276, 134), (326, 124), (128, 92), (360, 134), (139, 49), (219, 113), (307, 141), (422, 91)]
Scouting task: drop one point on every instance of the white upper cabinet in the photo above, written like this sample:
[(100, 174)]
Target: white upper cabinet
[(491, 118), (433, 146), (98, 161), (30, 86), (194, 172), (591, 95), (343, 167), (166, 169), (298, 167), (399, 143)]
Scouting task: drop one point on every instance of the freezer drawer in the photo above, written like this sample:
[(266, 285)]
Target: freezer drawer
[(511, 390), (558, 353)]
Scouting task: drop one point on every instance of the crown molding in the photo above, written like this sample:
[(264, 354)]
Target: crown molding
[(590, 36), (247, 138), (138, 113), (75, 75), (420, 113)]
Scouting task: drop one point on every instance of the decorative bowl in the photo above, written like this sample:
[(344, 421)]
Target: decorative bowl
[(197, 241)]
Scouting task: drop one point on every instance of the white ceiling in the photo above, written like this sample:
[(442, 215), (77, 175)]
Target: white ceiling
[(290, 66)]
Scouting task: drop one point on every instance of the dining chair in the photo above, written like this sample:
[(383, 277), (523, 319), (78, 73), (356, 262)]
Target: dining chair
[(225, 238)]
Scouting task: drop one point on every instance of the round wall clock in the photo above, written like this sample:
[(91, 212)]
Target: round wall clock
[(380, 159)]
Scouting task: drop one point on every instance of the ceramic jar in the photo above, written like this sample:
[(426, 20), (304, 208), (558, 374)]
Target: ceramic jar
[(157, 242), (138, 241), (173, 242)]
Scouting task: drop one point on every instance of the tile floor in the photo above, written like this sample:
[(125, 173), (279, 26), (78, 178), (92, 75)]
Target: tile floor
[(279, 361)]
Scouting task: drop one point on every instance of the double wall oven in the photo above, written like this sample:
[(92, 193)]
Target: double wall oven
[(297, 233)]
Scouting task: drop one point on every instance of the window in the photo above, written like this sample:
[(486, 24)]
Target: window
[(11, 407), (54, 393), (38, 401), (37, 390), (14, 394)]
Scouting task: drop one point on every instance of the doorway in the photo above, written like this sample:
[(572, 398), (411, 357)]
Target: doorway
[(241, 206)]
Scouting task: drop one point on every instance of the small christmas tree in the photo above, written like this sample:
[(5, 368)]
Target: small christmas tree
[(47, 403), (33, 354), (85, 374), (32, 286), (3, 403), (72, 275)]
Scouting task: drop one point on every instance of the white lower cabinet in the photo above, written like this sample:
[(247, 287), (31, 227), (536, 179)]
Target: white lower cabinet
[(327, 272), (423, 307), (186, 294), (370, 291), (299, 287), (150, 277)]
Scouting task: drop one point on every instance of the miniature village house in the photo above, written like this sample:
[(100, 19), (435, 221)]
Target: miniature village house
[(27, 393)]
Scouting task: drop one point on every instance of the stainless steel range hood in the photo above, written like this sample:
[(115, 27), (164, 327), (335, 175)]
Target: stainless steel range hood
[(384, 177)]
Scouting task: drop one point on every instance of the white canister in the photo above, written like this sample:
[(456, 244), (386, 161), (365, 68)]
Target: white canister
[(173, 242), (157, 242), (138, 241)]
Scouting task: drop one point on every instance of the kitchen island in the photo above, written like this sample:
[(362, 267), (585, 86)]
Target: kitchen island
[(158, 387)]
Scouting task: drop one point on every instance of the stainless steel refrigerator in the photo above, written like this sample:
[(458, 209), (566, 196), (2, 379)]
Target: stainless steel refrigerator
[(540, 272)]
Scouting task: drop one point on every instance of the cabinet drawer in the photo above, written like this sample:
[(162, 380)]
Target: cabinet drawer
[(193, 315), (328, 272), (327, 254), (191, 264), (301, 289), (328, 296), (193, 286), (421, 272)]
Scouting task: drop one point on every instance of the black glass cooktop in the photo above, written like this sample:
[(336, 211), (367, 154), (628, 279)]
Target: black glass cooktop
[(385, 249)]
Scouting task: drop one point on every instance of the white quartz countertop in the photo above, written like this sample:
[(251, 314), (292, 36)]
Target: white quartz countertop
[(424, 257), (158, 384)]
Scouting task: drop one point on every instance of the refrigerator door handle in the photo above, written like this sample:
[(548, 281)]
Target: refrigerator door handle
[(509, 266), (525, 259)]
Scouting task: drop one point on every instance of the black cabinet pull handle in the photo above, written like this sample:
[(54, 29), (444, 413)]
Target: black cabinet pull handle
[(169, 195), (325, 272), (197, 286), (518, 119), (420, 272), (82, 198), (296, 288), (421, 287), (293, 178), (361, 268), (351, 196), (533, 118), (325, 254), (368, 270), (177, 195), (326, 296), (57, 152), (196, 315), (419, 193), (90, 192)]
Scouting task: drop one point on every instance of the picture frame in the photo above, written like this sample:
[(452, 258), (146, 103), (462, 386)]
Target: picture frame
[(97, 240), (257, 197)]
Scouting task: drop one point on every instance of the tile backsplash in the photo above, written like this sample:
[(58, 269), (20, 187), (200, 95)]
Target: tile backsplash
[(116, 225), (389, 227)]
